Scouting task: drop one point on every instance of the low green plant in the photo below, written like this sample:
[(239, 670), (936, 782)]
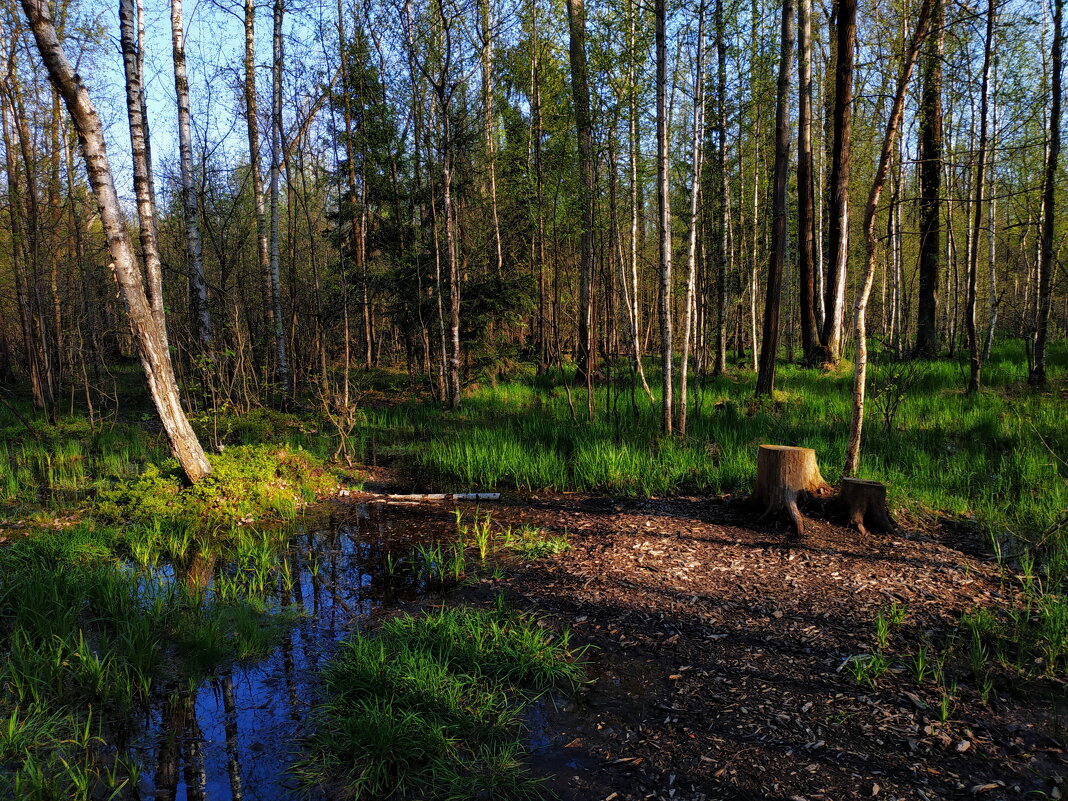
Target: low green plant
[(531, 542), (868, 668), (430, 705)]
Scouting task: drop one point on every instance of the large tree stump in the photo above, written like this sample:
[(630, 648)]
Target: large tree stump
[(865, 503), (783, 473)]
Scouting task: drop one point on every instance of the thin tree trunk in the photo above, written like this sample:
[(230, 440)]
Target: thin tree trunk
[(198, 288), (893, 124), (130, 28), (765, 384), (663, 202), (255, 163), (991, 218), (1037, 375), (486, 16), (281, 363), (930, 170), (580, 91), (838, 231), (632, 122), (695, 191), (152, 348), (805, 202), (974, 346), (725, 249)]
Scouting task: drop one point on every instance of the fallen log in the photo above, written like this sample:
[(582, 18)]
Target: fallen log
[(448, 496), (865, 503), (783, 474)]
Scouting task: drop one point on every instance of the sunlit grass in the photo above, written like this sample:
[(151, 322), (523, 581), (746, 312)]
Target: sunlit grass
[(946, 452), (431, 705)]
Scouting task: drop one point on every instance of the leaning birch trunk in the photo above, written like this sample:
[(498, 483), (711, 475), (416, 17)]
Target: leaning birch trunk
[(893, 124), (281, 363), (198, 288), (150, 342), (695, 190), (1037, 375), (132, 62)]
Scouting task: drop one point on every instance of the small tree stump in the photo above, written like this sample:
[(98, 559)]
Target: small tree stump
[(783, 472), (865, 503)]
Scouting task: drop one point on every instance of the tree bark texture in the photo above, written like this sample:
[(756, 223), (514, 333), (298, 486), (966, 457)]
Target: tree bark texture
[(838, 224), (1037, 375), (893, 125), (198, 287), (151, 344), (770, 340)]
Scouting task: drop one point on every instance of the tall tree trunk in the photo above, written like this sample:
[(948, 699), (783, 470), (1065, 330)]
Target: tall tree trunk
[(488, 132), (695, 192), (580, 92), (151, 344), (663, 203), (765, 384), (930, 187), (893, 124), (281, 364), (838, 228), (806, 236), (198, 287), (252, 125), (991, 219), (633, 125), (974, 345), (1037, 374), (725, 247), (132, 39)]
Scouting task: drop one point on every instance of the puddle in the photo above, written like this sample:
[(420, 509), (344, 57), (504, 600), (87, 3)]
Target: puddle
[(236, 735)]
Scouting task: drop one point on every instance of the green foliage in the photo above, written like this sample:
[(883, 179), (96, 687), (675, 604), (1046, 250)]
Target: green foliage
[(431, 705), (531, 542), (953, 454), (247, 483)]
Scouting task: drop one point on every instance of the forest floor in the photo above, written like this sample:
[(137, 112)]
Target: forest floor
[(720, 659)]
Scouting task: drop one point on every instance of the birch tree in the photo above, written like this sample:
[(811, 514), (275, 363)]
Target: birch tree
[(151, 343)]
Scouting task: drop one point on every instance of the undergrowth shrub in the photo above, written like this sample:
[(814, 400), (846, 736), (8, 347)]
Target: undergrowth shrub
[(246, 483)]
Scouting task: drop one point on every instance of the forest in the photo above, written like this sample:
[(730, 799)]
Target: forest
[(517, 399)]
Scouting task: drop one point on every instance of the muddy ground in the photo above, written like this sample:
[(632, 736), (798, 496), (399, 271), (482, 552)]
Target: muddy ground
[(718, 653)]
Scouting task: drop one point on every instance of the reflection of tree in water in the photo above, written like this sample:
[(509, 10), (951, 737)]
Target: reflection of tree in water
[(180, 749), (233, 757), (334, 573)]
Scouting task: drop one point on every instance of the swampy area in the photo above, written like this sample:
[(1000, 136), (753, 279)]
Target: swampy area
[(618, 624)]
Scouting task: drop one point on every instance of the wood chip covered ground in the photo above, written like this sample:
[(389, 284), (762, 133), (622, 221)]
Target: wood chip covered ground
[(719, 659)]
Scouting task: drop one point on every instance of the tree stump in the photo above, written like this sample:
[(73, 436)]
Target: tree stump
[(783, 473), (865, 503)]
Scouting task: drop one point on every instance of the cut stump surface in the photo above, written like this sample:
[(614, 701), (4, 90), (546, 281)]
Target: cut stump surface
[(783, 473)]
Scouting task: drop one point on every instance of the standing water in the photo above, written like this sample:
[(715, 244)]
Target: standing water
[(237, 734)]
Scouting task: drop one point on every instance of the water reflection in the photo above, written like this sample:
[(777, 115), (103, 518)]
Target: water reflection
[(235, 735)]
